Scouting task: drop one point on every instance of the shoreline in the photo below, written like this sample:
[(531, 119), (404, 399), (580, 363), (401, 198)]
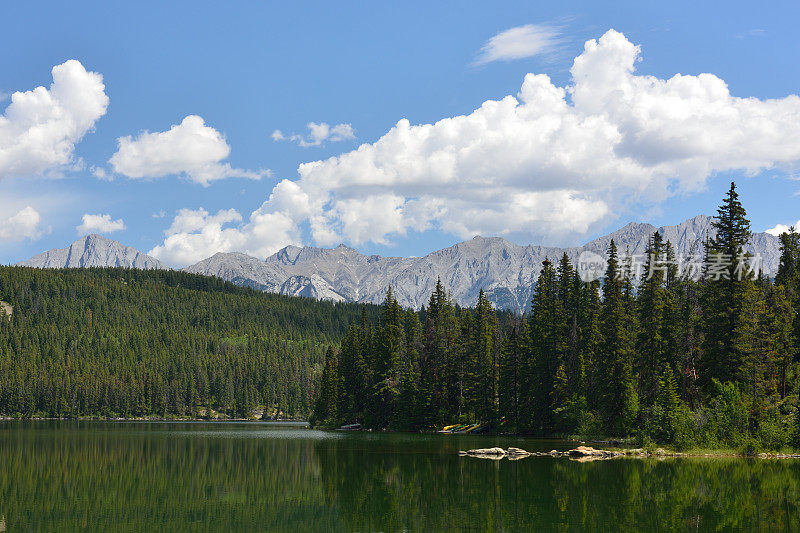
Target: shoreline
[(587, 453), (150, 419), (580, 453)]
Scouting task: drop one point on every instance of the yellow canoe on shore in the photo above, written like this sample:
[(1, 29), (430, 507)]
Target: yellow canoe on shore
[(460, 428)]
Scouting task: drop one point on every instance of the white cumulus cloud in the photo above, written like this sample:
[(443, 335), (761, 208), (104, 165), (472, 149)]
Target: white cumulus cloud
[(99, 224), (190, 148), (100, 173), (318, 134), (518, 43), (782, 228), (196, 234), (22, 225), (550, 163), (40, 127)]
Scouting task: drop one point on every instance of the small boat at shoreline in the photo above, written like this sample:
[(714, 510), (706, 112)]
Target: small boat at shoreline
[(350, 427), (463, 428)]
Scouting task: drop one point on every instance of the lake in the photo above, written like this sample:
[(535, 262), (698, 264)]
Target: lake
[(196, 476)]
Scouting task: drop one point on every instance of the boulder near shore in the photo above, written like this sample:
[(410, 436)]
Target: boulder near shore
[(587, 453), (518, 453)]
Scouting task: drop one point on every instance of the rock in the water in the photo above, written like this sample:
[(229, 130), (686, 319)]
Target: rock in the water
[(496, 453), (517, 451), (586, 451), (487, 451), (515, 454)]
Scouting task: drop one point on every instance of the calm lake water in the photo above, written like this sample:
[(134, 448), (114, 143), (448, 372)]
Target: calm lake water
[(140, 476)]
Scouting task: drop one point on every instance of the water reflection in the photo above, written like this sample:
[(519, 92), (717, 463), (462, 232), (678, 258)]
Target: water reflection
[(180, 477)]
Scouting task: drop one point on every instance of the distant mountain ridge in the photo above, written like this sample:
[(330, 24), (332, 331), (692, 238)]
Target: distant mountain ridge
[(505, 271), (94, 251)]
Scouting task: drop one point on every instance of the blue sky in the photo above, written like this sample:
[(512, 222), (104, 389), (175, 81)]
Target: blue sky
[(249, 69)]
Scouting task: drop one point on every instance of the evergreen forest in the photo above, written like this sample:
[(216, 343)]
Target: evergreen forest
[(115, 342), (693, 361), (707, 361)]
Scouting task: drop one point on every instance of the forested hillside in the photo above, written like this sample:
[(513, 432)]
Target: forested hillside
[(122, 342), (706, 358), (694, 354)]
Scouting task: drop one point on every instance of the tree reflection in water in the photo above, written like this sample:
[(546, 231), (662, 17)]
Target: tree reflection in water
[(102, 476)]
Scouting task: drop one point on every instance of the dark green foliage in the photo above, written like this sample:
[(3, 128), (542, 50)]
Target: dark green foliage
[(117, 342), (547, 351), (655, 343), (618, 397), (510, 379), (668, 419), (669, 359), (441, 370), (725, 294), (480, 400), (328, 390)]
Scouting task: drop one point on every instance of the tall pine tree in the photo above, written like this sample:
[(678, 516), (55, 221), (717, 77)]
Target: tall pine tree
[(724, 349), (619, 397)]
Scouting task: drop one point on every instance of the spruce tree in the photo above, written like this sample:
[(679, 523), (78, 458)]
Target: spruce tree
[(438, 388), (591, 340), (789, 265), (724, 351), (386, 363), (654, 303), (569, 295), (668, 410), (408, 401), (484, 372), (619, 398), (510, 386), (547, 348), (788, 277), (687, 328)]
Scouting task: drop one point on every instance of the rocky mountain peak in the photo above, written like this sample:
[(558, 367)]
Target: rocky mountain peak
[(94, 251)]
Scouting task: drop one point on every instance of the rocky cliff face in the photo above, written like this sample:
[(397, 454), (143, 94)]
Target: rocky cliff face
[(94, 251), (504, 270)]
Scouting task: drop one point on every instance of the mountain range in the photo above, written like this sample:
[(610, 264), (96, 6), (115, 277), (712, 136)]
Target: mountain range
[(504, 270)]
